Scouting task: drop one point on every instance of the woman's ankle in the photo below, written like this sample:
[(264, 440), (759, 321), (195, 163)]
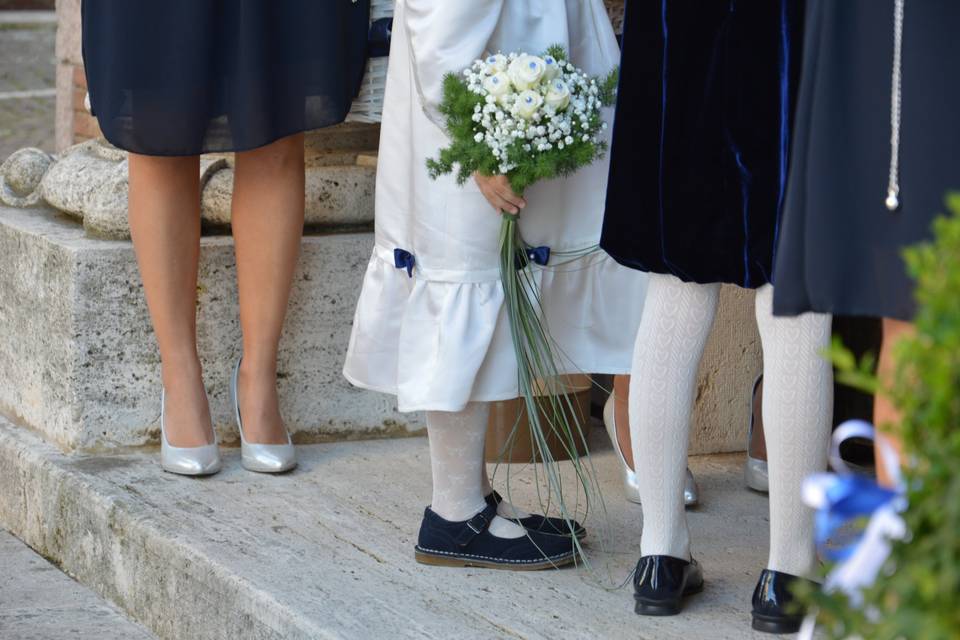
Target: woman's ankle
[(179, 366), (186, 411), (256, 363)]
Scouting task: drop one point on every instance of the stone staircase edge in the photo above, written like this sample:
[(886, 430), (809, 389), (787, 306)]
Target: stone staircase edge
[(63, 515)]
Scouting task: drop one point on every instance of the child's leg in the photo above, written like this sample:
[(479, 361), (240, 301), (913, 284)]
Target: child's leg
[(676, 322), (797, 412), (456, 458)]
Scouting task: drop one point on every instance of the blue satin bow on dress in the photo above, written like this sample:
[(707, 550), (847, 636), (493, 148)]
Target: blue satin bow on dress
[(404, 260), (539, 255), (536, 255)]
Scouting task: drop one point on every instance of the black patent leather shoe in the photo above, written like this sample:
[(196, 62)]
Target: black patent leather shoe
[(470, 544), (543, 524), (660, 583), (775, 608)]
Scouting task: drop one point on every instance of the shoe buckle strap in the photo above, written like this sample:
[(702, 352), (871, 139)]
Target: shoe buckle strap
[(475, 526)]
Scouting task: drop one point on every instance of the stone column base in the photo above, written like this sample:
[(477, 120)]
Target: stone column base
[(79, 364)]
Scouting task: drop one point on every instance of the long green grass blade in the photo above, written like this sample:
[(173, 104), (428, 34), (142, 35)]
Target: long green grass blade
[(551, 410)]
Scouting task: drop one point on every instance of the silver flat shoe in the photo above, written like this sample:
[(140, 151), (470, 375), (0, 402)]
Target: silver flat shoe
[(261, 458), (755, 471), (186, 461), (631, 485)]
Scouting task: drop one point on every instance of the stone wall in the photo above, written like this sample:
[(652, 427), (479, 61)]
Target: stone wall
[(78, 361), (731, 362), (616, 8)]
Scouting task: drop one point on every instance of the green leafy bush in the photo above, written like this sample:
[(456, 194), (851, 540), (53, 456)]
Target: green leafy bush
[(917, 596)]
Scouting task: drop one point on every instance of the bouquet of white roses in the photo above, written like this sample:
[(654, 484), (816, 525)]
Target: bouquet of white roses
[(529, 118)]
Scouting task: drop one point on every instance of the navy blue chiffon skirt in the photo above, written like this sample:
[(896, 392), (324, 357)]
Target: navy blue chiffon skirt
[(701, 137), (184, 77), (841, 249)]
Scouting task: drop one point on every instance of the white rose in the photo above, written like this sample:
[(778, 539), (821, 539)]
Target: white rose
[(551, 68), (497, 62), (497, 85), (558, 96), (526, 71), (528, 103)]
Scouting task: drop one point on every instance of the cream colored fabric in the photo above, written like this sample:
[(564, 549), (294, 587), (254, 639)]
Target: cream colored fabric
[(439, 339)]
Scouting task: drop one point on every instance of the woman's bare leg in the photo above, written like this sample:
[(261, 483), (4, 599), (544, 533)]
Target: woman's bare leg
[(268, 213), (165, 226), (885, 415)]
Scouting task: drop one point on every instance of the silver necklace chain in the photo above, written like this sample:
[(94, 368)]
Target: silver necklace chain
[(893, 186)]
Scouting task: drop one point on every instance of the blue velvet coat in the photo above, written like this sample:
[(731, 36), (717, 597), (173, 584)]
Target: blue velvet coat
[(701, 137)]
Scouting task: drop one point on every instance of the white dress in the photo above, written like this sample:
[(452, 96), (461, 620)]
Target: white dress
[(438, 338)]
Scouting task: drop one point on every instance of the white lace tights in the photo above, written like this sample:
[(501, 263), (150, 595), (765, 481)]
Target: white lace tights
[(797, 411), (459, 473)]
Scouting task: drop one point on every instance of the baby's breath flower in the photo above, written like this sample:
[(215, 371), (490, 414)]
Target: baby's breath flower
[(559, 110)]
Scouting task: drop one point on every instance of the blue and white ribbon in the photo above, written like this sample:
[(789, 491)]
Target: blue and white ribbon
[(844, 498)]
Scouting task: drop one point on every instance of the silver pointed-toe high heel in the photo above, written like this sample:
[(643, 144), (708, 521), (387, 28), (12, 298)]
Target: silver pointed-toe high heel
[(755, 472), (631, 486), (186, 461), (262, 458)]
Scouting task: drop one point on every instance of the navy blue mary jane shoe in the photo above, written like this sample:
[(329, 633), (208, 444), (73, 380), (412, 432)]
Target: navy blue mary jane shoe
[(660, 583), (470, 544), (775, 608), (543, 524)]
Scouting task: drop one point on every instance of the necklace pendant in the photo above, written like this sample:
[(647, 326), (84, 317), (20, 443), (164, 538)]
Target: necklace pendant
[(892, 201)]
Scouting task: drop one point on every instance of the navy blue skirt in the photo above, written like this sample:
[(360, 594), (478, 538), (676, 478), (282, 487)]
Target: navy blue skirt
[(701, 137), (183, 77), (841, 249)]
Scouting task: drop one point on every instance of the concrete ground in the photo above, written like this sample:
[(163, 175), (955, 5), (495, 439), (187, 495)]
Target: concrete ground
[(327, 551), (27, 80), (38, 602)]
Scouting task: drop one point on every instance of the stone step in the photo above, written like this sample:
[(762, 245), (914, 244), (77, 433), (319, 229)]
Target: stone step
[(27, 18), (39, 602), (327, 551)]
